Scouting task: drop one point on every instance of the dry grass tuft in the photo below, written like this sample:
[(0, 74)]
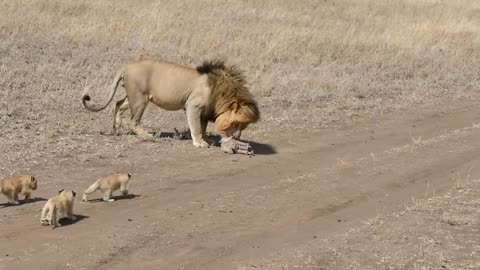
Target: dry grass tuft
[(308, 62)]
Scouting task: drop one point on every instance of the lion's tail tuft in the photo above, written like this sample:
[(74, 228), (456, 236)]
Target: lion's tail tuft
[(113, 90)]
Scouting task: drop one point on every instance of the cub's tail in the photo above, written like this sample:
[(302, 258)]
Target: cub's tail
[(91, 189)]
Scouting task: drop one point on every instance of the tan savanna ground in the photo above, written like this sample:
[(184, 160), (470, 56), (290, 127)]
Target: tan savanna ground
[(368, 150)]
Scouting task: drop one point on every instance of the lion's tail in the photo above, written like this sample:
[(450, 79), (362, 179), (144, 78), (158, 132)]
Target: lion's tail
[(113, 90), (93, 187), (44, 213)]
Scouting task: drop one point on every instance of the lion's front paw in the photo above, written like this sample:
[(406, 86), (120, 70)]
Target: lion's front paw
[(201, 144)]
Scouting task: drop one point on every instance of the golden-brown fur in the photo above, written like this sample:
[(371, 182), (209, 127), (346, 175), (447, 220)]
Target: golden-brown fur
[(210, 92), (108, 184), (231, 105), (58, 207), (12, 186)]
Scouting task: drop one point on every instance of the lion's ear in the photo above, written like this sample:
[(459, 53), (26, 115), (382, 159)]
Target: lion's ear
[(223, 121), (246, 114), (234, 107)]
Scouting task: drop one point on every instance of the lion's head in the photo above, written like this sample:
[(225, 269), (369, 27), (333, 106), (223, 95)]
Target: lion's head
[(232, 107)]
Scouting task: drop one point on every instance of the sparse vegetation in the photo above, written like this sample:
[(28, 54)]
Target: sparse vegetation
[(432, 233), (309, 63)]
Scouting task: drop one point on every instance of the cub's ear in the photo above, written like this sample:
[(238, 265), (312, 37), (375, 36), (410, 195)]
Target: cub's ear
[(60, 190), (74, 193), (129, 175), (33, 179)]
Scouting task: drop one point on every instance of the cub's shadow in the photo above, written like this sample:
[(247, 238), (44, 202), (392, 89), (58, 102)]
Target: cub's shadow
[(117, 198), (66, 221), (258, 148), (22, 202)]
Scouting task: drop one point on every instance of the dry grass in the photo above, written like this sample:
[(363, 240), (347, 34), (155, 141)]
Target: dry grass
[(435, 232), (308, 62)]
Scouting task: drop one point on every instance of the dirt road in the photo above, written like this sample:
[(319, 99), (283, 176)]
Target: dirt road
[(201, 209)]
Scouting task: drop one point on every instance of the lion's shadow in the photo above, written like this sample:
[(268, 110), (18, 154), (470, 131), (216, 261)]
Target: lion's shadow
[(258, 148), (66, 221), (117, 198), (22, 202)]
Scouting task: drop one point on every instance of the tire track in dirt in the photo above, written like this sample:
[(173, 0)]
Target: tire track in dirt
[(392, 186), (294, 228), (222, 214)]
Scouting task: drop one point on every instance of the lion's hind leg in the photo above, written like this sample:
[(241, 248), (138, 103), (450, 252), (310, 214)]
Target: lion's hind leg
[(120, 107), (54, 218), (138, 105)]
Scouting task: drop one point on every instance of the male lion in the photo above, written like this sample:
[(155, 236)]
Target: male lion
[(210, 92)]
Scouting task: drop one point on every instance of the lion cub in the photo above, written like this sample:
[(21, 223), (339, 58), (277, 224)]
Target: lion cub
[(58, 207), (108, 185), (12, 186)]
